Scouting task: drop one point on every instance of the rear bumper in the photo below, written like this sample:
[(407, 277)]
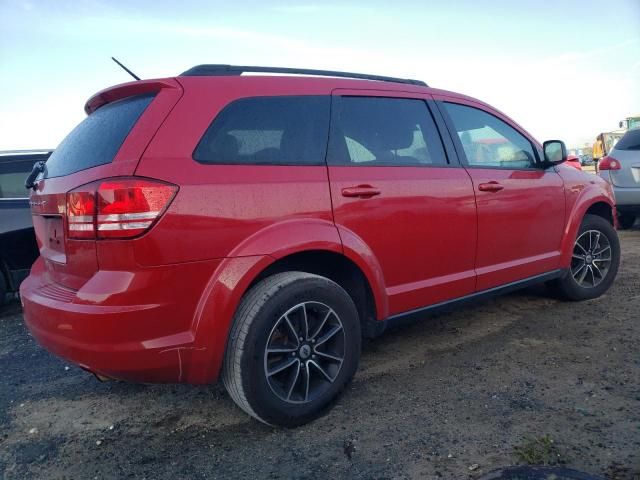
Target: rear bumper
[(142, 333), (626, 197)]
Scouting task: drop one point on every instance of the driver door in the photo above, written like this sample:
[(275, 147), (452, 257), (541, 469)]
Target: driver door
[(521, 206)]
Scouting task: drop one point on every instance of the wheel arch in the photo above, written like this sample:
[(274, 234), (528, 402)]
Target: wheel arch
[(601, 209), (306, 243), (349, 263), (589, 203), (337, 268)]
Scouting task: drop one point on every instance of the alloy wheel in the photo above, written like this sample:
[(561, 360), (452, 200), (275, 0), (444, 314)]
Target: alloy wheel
[(304, 352), (591, 259)]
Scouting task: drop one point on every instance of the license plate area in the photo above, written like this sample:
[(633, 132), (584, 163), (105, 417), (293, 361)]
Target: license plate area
[(53, 239)]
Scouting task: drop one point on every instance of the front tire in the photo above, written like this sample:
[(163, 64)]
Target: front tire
[(293, 347), (594, 263)]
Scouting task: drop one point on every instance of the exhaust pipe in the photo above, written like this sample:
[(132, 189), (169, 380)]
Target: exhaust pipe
[(101, 378)]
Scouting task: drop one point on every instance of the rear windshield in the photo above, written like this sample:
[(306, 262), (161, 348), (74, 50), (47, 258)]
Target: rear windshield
[(287, 130), (630, 141), (97, 139)]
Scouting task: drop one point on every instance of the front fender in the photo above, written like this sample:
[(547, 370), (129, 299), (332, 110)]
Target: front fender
[(584, 196)]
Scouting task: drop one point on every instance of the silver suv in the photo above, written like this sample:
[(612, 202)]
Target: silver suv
[(621, 168)]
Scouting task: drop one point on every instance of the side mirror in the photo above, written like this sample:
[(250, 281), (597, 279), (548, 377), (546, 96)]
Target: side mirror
[(555, 152)]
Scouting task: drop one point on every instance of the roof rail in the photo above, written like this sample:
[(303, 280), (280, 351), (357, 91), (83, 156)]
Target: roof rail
[(230, 70)]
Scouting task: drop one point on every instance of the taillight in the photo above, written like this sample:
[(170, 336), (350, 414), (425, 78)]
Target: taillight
[(117, 207), (609, 163), (81, 211)]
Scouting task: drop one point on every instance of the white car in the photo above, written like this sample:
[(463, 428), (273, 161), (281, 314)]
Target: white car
[(621, 168)]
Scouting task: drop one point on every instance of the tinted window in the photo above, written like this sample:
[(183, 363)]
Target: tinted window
[(630, 141), (268, 130), (97, 139), (12, 176), (488, 141), (384, 131)]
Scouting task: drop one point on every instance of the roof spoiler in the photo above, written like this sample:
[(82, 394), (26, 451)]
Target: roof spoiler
[(124, 90)]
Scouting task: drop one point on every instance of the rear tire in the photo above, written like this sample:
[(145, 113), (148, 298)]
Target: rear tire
[(3, 288), (293, 347), (626, 221), (595, 261)]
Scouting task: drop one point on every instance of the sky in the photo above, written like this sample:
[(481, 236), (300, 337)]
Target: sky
[(567, 69)]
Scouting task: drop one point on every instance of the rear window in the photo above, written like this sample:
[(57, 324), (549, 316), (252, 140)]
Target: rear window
[(288, 130), (97, 139), (630, 141)]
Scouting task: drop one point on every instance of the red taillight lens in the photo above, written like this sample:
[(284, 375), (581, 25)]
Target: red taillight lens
[(609, 163), (117, 208), (81, 210), (128, 207)]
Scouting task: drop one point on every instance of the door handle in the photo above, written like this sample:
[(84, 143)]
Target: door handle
[(492, 186), (360, 191)]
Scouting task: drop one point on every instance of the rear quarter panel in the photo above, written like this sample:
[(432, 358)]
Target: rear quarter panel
[(219, 208)]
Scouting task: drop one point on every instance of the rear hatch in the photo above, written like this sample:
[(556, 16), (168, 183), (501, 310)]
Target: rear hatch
[(627, 152), (108, 143)]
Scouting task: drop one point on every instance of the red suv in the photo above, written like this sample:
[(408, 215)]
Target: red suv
[(255, 228)]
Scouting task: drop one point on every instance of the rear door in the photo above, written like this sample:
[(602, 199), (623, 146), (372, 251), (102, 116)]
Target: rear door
[(394, 188), (107, 143), (521, 206), (627, 152)]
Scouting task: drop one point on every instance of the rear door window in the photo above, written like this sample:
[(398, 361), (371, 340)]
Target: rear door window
[(284, 130), (382, 131), (97, 139), (630, 141)]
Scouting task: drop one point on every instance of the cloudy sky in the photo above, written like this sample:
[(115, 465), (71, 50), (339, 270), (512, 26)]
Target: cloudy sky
[(568, 71)]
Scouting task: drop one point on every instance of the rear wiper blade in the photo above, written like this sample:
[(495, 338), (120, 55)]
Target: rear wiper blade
[(37, 169)]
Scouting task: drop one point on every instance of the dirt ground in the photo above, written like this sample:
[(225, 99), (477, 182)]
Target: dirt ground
[(450, 397)]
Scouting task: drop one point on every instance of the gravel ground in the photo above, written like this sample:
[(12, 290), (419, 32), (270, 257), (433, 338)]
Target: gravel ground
[(450, 397)]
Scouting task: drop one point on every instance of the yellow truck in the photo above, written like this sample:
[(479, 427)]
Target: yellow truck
[(605, 142)]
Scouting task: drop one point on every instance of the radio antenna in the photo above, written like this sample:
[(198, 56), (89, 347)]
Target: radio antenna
[(125, 69)]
